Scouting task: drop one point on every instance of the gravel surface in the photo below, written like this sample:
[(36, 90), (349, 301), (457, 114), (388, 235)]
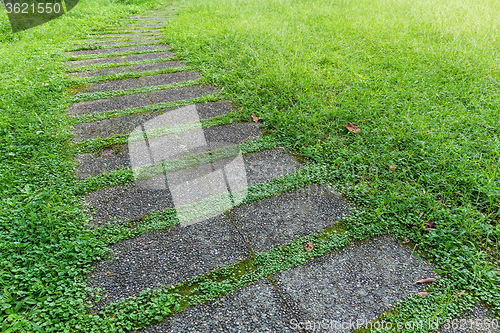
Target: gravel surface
[(257, 307), (167, 257), (119, 59), (359, 282), (120, 49), (124, 125), (278, 220)]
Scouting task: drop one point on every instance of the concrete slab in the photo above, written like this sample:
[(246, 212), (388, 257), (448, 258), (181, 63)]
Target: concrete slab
[(108, 159), (178, 94), (149, 56), (115, 103), (168, 78), (167, 257), (156, 65), (104, 71), (257, 307), (355, 283), (124, 125), (121, 84), (97, 61), (280, 219), (126, 203), (138, 48)]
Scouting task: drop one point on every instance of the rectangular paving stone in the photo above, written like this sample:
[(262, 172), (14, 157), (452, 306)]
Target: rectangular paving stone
[(96, 61), (121, 49), (130, 202), (156, 65), (134, 201), (131, 35), (124, 125), (256, 307), (104, 71), (278, 220), (133, 68), (167, 257), (359, 282), (179, 94), (115, 103), (118, 156), (149, 56), (168, 78), (121, 84)]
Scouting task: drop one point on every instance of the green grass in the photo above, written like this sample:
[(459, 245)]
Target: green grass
[(420, 79)]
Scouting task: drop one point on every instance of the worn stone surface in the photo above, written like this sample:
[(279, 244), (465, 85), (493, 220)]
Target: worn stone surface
[(359, 282), (168, 78), (115, 103), (158, 259), (121, 84), (278, 220), (133, 68), (126, 202), (115, 60), (257, 307), (124, 125), (121, 49), (178, 94)]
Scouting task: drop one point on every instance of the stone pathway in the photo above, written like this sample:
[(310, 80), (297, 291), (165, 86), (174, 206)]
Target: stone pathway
[(200, 171)]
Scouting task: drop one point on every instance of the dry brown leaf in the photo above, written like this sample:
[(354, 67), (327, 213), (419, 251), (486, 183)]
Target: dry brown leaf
[(392, 167), (406, 240), (254, 118), (309, 246), (430, 225), (423, 294), (352, 128), (428, 280)]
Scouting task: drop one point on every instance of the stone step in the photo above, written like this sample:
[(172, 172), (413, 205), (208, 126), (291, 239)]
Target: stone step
[(120, 59), (138, 100), (359, 282), (125, 125), (107, 203), (167, 257), (143, 81), (139, 68), (139, 48), (257, 307)]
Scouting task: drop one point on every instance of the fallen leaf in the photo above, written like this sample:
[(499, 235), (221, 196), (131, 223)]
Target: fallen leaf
[(406, 240), (392, 167), (430, 225), (309, 246), (254, 118), (222, 89), (428, 280), (423, 294), (352, 128)]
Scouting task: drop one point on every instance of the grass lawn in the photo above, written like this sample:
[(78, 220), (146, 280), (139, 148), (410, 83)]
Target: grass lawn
[(419, 78)]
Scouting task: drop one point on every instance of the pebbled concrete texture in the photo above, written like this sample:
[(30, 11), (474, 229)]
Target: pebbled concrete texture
[(108, 159), (167, 257), (121, 49), (479, 320), (115, 103), (126, 203), (121, 84), (278, 220), (178, 94), (359, 282), (119, 59), (256, 307), (124, 125), (132, 68), (168, 78)]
